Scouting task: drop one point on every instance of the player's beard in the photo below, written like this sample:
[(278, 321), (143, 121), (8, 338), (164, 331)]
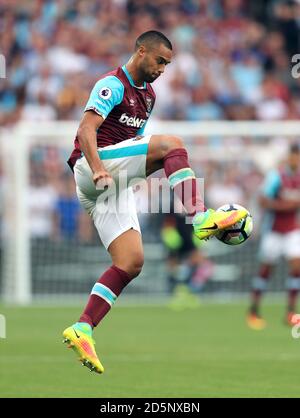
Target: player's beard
[(149, 78)]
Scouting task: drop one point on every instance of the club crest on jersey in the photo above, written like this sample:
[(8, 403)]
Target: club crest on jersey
[(149, 104), (105, 93)]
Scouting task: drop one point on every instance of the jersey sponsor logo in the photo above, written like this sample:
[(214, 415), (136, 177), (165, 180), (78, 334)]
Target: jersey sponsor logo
[(132, 121), (105, 93)]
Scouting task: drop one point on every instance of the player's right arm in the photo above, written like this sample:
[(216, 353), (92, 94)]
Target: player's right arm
[(87, 137), (269, 197), (106, 94)]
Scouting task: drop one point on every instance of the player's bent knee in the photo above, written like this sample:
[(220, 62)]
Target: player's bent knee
[(135, 268), (166, 143), (177, 142), (132, 266), (161, 145), (171, 142)]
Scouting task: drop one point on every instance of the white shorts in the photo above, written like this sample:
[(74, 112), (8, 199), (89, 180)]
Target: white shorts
[(273, 245), (114, 211)]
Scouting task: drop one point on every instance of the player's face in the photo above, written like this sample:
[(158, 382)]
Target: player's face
[(153, 61)]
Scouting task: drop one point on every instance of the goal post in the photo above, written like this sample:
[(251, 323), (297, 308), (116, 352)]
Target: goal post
[(15, 155), (54, 260), (16, 252)]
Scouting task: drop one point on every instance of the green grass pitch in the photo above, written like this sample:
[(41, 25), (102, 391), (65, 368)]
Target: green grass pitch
[(151, 352)]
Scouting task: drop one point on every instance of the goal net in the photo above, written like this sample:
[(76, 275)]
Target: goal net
[(49, 247)]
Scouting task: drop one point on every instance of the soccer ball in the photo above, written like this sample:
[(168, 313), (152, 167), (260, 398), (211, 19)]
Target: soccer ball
[(239, 232)]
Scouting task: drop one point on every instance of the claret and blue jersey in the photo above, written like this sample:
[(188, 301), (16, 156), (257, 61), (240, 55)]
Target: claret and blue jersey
[(124, 107), (282, 184)]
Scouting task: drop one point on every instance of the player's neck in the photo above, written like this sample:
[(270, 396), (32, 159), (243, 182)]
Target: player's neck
[(131, 68)]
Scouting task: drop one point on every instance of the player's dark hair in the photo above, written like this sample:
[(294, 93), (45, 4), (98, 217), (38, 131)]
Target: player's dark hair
[(152, 37)]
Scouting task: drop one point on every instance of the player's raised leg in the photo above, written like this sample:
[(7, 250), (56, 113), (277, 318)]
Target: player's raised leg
[(168, 152), (127, 260)]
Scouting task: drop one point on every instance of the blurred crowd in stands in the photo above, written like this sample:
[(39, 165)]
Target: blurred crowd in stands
[(232, 57), (233, 60)]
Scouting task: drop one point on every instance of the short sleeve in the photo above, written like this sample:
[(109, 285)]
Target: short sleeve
[(106, 94), (271, 184)]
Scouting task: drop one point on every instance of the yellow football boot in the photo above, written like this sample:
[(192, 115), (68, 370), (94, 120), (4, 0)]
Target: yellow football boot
[(79, 338), (209, 223)]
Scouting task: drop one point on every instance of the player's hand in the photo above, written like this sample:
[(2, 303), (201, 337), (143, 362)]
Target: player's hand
[(102, 179)]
